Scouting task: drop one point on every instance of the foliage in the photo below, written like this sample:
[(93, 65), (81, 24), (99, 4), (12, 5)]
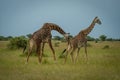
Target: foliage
[(62, 39), (102, 64), (29, 35), (90, 38), (17, 42), (70, 36), (106, 47), (103, 37), (109, 39), (2, 38), (57, 38)]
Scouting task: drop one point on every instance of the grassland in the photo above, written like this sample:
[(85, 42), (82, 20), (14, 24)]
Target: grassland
[(103, 64)]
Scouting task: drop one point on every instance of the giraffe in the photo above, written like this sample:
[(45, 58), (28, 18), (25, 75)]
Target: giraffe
[(42, 36), (80, 40)]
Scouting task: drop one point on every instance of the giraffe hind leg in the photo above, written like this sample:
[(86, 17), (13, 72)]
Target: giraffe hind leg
[(31, 44), (39, 52), (72, 56), (77, 55), (29, 53)]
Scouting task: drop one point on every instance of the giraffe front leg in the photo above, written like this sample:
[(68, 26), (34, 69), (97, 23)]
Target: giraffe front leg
[(86, 53), (42, 53), (39, 52), (50, 44)]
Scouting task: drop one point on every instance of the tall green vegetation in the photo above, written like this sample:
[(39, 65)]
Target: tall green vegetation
[(17, 42), (21, 41), (103, 37), (2, 38), (102, 64)]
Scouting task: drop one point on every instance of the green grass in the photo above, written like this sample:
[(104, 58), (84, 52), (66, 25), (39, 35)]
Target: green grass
[(103, 64)]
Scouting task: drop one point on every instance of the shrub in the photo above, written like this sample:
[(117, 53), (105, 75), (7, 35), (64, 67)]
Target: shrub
[(103, 37), (106, 47), (17, 42)]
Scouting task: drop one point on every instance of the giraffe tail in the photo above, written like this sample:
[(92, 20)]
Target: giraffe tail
[(63, 51), (62, 54)]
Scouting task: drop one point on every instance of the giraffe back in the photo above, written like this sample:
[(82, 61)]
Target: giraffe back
[(42, 34)]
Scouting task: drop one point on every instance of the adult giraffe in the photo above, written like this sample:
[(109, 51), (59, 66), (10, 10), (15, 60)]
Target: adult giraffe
[(43, 35), (80, 40)]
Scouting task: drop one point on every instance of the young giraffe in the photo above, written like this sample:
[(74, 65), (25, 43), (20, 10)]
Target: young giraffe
[(80, 40), (42, 36)]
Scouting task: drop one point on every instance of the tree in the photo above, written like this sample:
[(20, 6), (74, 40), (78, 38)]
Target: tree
[(70, 36), (109, 39), (90, 38), (103, 37), (9, 37), (2, 38), (29, 35), (57, 38)]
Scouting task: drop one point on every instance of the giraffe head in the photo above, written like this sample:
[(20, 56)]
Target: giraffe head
[(97, 20), (66, 36)]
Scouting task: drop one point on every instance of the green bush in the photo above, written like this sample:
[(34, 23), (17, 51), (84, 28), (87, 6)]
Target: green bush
[(17, 42), (106, 47)]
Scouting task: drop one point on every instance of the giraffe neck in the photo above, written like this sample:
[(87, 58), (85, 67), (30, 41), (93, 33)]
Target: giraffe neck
[(89, 29), (52, 26)]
